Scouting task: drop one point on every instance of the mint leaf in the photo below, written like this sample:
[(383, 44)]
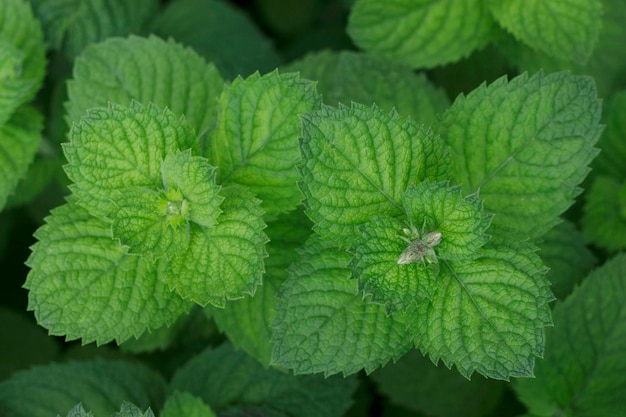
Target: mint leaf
[(563, 250), (149, 71), (14, 90), (78, 411), (565, 29), (416, 384), (130, 410), (346, 76), (324, 325), (525, 144), (200, 23), (19, 139), (422, 34), (184, 404), (83, 284), (612, 159), (117, 148), (226, 261), (247, 322), (71, 25), (584, 371), (101, 385), (256, 142), (245, 382), (604, 219), (357, 163), (488, 315)]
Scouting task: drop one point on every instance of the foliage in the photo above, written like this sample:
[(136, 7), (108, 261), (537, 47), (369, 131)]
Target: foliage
[(268, 221)]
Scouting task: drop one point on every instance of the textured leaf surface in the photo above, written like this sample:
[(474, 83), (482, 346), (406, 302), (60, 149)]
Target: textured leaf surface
[(244, 381), (343, 77), (14, 90), (583, 372), (604, 219), (83, 284), (525, 144), (488, 315), (101, 386), (415, 383), (114, 149), (225, 262), (184, 404), (256, 142), (565, 29), (200, 23), (130, 410), (422, 34), (563, 250), (357, 163), (247, 322), (148, 70), (79, 411), (19, 139), (71, 25), (324, 325), (612, 158)]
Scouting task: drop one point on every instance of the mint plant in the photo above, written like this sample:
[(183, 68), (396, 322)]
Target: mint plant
[(231, 224)]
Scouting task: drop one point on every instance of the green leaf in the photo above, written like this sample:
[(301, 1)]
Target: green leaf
[(612, 158), (488, 315), (148, 70), (78, 411), (84, 284), (247, 322), (19, 139), (244, 381), (14, 90), (21, 37), (22, 343), (184, 404), (604, 219), (225, 262), (71, 25), (130, 410), (565, 29), (525, 144), (583, 372), (414, 382), (101, 385), (199, 23), (324, 325), (563, 251), (357, 163), (343, 77), (115, 149), (422, 34), (256, 142)]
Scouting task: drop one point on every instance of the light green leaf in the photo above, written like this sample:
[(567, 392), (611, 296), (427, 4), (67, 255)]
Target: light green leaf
[(20, 31), (185, 405), (71, 25), (324, 325), (565, 29), (612, 158), (84, 284), (440, 208), (200, 23), (604, 219), (343, 77), (244, 381), (130, 410), (525, 144), (563, 251), (256, 142), (583, 372), (358, 161), (225, 262), (148, 70), (247, 322), (422, 34), (19, 139), (101, 385), (14, 90), (488, 315), (117, 148), (415, 383), (78, 411)]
